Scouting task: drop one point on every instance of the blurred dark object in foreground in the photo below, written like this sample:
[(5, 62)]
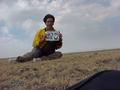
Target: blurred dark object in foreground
[(104, 80)]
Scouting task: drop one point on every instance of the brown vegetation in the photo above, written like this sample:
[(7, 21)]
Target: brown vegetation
[(56, 74)]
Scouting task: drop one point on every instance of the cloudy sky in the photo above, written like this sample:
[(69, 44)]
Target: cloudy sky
[(85, 24)]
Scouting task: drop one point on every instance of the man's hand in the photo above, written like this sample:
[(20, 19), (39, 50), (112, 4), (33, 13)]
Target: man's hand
[(59, 43), (60, 36)]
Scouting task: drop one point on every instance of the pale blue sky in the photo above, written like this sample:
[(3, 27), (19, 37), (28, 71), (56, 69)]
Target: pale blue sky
[(85, 24)]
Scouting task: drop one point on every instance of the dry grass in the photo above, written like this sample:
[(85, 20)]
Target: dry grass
[(56, 74)]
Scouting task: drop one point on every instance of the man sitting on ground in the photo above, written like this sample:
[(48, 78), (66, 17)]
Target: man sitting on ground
[(41, 45)]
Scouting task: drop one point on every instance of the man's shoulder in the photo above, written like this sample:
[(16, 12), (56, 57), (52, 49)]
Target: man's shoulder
[(41, 29)]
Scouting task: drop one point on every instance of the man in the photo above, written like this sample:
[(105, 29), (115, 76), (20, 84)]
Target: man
[(41, 47)]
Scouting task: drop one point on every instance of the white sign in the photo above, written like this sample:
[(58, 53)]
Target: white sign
[(52, 36)]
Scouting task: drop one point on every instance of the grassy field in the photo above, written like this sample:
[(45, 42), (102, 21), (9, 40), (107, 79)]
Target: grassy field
[(56, 74)]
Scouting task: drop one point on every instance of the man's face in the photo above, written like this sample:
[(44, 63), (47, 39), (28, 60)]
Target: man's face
[(49, 22)]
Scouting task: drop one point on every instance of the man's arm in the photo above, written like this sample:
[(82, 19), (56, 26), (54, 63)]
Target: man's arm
[(59, 43)]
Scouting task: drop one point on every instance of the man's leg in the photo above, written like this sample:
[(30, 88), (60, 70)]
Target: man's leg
[(54, 55), (57, 54), (35, 53)]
